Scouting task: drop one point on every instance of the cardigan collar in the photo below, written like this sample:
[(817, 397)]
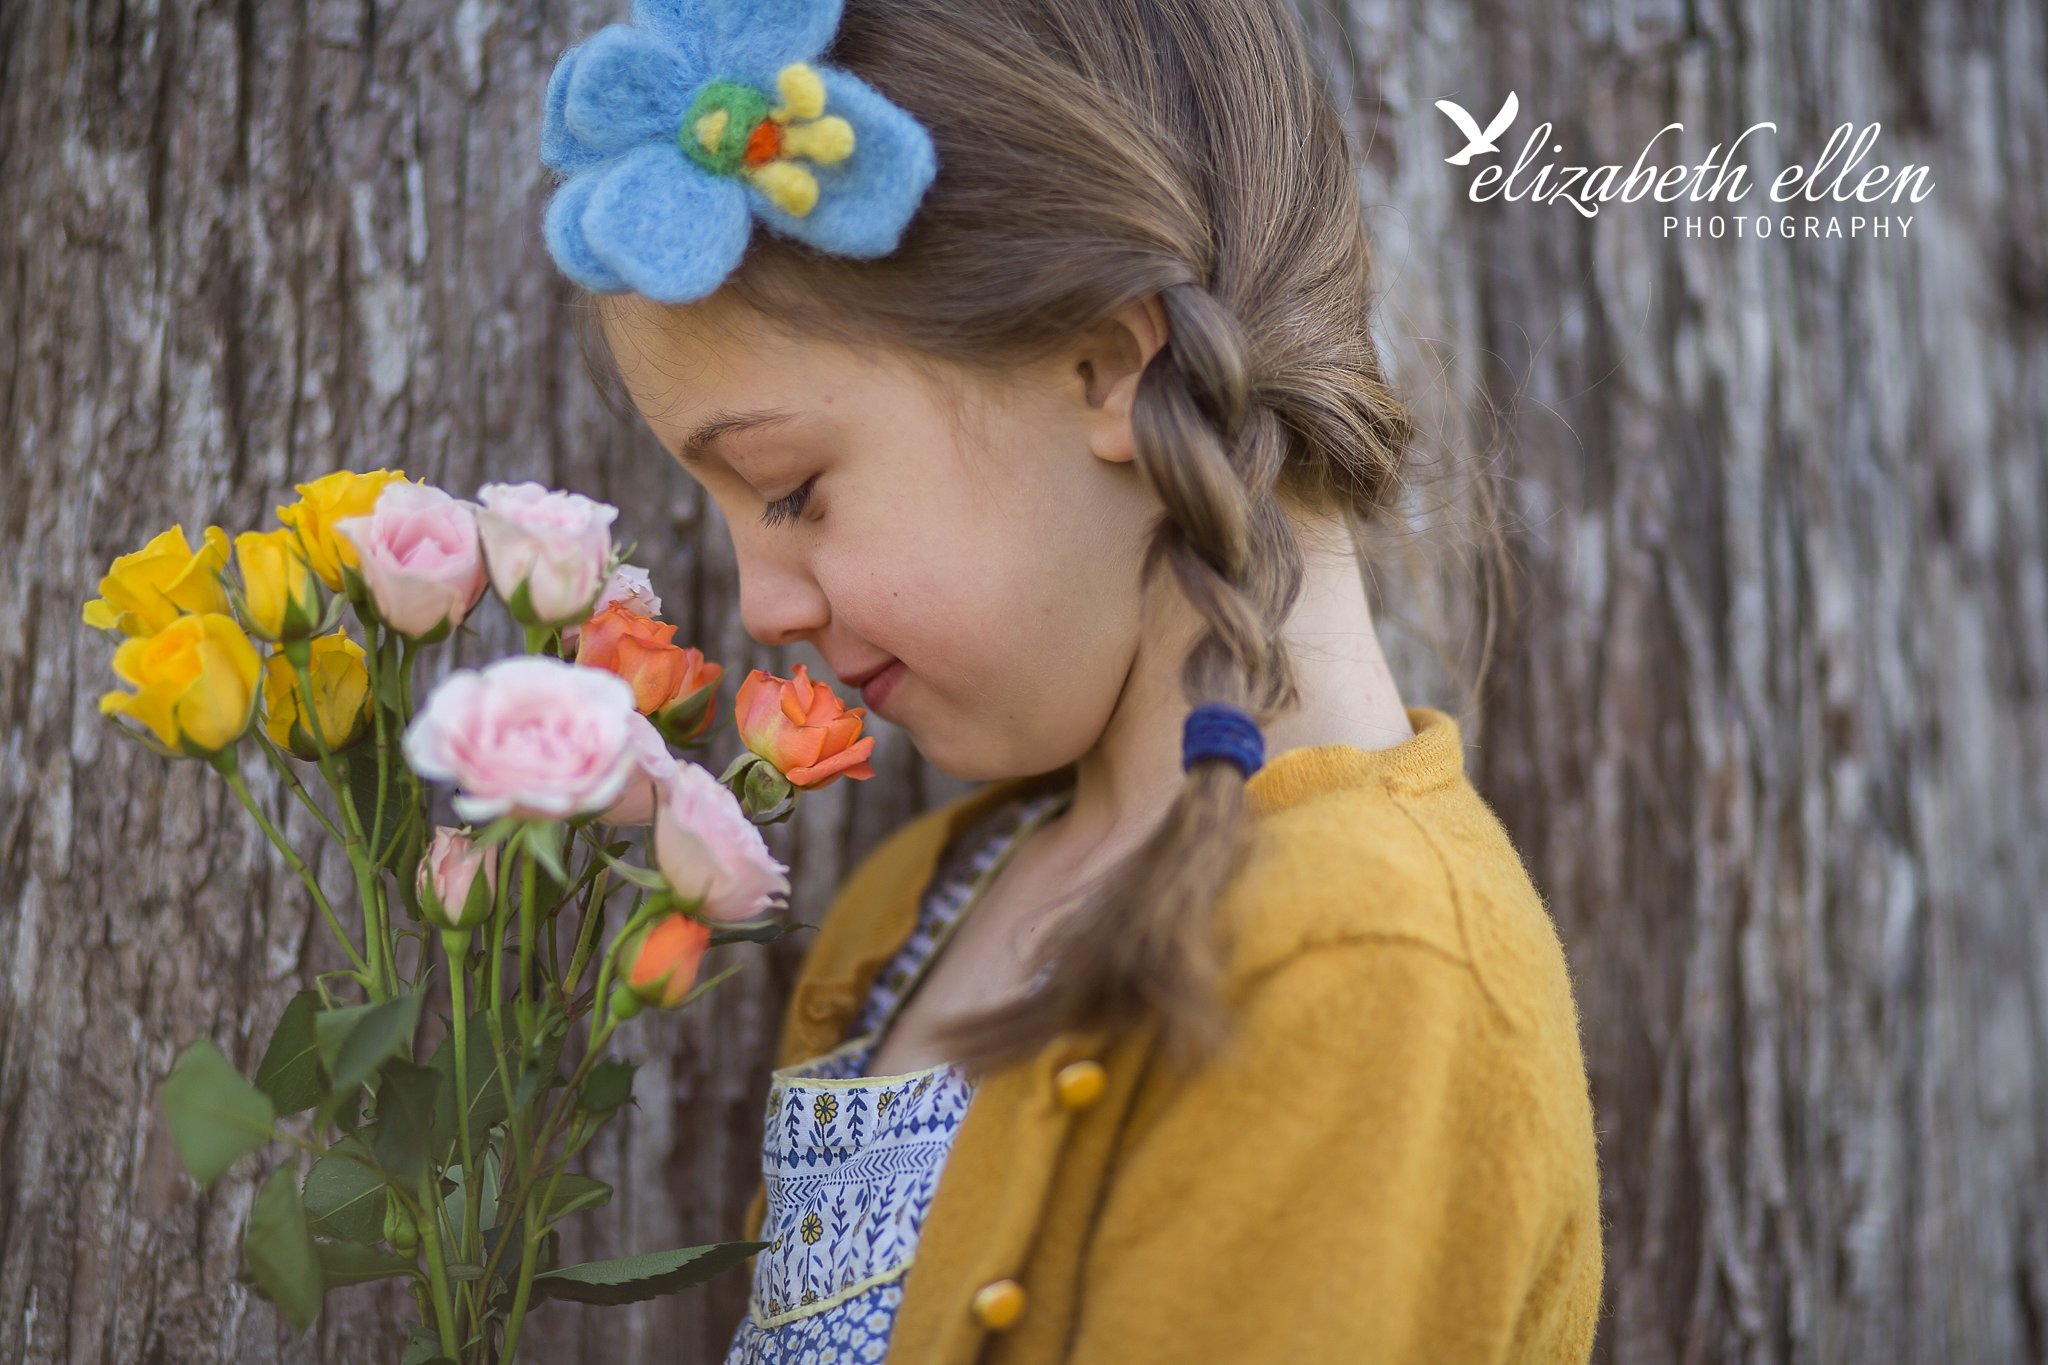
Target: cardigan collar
[(1433, 756)]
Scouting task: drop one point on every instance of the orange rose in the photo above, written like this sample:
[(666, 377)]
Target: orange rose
[(666, 677), (802, 728), (661, 962)]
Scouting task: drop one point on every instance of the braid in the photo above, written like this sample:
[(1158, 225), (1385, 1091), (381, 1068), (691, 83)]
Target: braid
[(1213, 456)]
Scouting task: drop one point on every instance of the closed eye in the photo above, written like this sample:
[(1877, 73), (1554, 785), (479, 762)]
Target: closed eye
[(789, 508)]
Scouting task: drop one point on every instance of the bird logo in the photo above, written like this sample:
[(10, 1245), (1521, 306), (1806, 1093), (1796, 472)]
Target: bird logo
[(1476, 142)]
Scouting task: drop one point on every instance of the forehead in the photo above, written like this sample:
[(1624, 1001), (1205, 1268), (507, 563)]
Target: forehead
[(693, 364), (683, 363)]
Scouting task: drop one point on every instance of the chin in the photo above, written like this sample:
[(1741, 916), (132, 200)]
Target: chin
[(972, 761)]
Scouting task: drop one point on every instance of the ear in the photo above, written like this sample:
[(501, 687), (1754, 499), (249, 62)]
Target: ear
[(1107, 364)]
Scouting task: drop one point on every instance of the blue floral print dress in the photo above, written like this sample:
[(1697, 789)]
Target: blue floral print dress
[(850, 1162)]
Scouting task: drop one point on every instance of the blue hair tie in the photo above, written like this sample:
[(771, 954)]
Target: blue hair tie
[(1218, 730), (673, 133)]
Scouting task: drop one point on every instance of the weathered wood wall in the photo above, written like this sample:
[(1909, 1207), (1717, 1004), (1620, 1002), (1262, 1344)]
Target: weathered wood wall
[(1769, 726), (1771, 730)]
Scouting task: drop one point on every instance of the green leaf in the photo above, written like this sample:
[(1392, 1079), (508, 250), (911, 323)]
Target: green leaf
[(609, 1085), (290, 1071), (702, 986), (344, 1263), (345, 1195), (422, 1347), (361, 764), (536, 1071), (486, 1093), (216, 1115), (280, 1252), (356, 1039), (632, 1279), (572, 1193), (642, 877), (405, 1119), (765, 932), (498, 831), (405, 864), (456, 1200), (544, 842)]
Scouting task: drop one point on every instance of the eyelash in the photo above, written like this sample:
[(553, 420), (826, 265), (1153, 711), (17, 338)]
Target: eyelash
[(789, 508)]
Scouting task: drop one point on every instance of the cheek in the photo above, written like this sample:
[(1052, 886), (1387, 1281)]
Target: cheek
[(994, 606)]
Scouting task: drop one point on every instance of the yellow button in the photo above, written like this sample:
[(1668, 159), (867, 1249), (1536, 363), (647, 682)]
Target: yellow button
[(998, 1304), (1079, 1084)]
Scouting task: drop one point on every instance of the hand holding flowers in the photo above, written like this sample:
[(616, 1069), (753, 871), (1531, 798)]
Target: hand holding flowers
[(525, 921)]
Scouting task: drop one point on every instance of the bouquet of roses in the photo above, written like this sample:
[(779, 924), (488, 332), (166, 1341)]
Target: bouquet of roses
[(424, 1087)]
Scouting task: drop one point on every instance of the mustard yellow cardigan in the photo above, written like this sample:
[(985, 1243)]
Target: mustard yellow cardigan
[(1392, 1162)]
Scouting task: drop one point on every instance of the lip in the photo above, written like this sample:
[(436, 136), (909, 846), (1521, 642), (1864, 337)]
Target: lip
[(879, 684), (860, 680)]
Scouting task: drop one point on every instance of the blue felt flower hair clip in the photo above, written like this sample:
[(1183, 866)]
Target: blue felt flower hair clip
[(676, 131)]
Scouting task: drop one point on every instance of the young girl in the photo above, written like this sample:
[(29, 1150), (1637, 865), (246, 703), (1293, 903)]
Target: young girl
[(1223, 1024)]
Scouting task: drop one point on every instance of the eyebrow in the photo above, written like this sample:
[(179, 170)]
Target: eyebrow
[(697, 445)]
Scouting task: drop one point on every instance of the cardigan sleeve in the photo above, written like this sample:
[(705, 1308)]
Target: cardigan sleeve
[(1378, 1168)]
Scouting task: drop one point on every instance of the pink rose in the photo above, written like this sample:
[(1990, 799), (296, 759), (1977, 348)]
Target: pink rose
[(631, 588), (528, 736), (449, 888), (652, 765), (706, 846), (420, 557), (549, 553)]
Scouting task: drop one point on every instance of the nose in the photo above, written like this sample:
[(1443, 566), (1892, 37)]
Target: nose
[(780, 602)]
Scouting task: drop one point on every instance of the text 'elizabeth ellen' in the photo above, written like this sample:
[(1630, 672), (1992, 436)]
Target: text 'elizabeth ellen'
[(1717, 179)]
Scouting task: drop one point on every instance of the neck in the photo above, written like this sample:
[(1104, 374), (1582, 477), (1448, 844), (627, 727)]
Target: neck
[(1348, 696)]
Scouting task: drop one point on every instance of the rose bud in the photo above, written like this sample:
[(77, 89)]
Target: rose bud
[(452, 894), (548, 552), (803, 728), (340, 680), (420, 560), (280, 599), (660, 964), (709, 852), (326, 501)]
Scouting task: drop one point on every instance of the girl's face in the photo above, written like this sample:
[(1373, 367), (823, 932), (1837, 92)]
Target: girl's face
[(986, 536)]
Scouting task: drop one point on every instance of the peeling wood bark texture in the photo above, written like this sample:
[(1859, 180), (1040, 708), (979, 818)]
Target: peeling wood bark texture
[(1770, 728)]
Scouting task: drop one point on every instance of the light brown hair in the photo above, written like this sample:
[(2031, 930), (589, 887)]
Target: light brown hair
[(1092, 153)]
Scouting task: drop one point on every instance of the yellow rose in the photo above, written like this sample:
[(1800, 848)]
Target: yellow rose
[(325, 501), (196, 681), (145, 591), (280, 599), (341, 697)]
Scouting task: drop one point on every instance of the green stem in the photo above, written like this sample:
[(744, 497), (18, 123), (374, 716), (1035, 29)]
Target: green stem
[(587, 931), (232, 772), (458, 973), (296, 787), (437, 1270), (528, 926), (368, 889), (378, 643), (520, 1296)]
